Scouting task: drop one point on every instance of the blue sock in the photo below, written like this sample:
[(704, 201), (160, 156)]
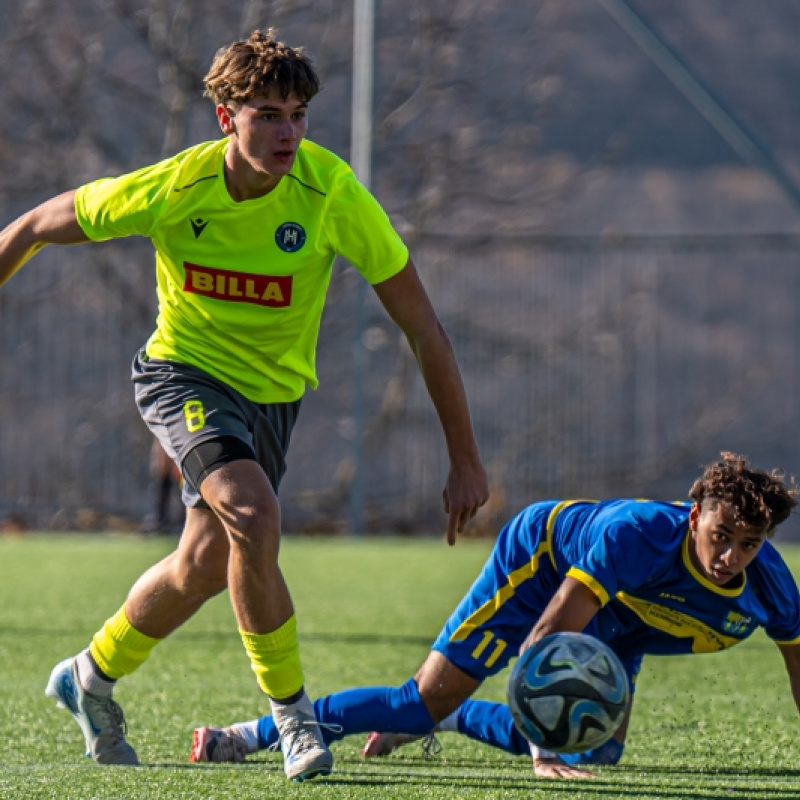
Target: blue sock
[(608, 753), (491, 723), (376, 708)]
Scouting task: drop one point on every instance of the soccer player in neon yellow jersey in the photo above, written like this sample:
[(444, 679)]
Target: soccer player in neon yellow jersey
[(245, 231)]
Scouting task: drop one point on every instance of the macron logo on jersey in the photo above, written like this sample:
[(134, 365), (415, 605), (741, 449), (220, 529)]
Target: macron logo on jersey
[(238, 287), (198, 226)]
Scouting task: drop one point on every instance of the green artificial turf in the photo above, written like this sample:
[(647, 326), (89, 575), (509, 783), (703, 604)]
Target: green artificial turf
[(713, 726)]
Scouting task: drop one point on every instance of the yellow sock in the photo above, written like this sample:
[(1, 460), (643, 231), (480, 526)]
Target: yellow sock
[(118, 648), (275, 658)]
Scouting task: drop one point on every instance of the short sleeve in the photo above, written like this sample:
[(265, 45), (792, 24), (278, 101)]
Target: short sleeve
[(359, 229), (129, 205), (628, 548), (777, 591)]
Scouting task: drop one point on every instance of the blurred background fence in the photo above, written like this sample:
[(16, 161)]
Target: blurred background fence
[(620, 284), (594, 368)]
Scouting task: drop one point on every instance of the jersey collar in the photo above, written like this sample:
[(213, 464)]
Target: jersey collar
[(702, 580)]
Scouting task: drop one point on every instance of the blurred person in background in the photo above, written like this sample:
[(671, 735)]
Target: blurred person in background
[(165, 478), (246, 229)]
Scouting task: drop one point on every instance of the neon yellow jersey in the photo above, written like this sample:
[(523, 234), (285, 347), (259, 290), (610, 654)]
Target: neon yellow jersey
[(241, 286)]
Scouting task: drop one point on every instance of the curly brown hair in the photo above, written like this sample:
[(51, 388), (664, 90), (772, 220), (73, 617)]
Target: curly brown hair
[(258, 64), (758, 499)]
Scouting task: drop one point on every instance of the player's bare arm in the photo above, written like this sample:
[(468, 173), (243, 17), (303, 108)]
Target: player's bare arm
[(571, 609), (791, 657), (52, 222), (467, 489)]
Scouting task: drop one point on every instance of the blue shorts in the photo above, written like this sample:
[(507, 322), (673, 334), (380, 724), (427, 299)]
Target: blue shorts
[(514, 587), (510, 594)]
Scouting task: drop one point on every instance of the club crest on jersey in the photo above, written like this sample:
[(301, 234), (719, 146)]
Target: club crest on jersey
[(290, 237), (274, 291), (736, 623)]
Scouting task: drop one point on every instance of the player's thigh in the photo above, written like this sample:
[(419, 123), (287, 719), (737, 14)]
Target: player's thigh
[(247, 432), (248, 452), (481, 648)]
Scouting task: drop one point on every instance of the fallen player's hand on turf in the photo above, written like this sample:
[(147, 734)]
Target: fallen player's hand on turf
[(555, 768)]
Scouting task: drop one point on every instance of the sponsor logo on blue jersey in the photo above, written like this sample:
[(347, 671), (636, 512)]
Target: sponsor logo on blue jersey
[(290, 237), (736, 623)]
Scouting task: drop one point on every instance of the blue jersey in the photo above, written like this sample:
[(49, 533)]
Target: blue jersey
[(633, 554)]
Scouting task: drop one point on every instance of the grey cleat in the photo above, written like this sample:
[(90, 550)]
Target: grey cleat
[(305, 754), (100, 718)]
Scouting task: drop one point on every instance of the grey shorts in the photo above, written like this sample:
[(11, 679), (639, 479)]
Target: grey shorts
[(185, 407)]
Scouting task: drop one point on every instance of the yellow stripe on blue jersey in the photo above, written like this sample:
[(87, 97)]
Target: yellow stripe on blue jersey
[(241, 286), (632, 555), (515, 579), (675, 623), (590, 583), (553, 516)]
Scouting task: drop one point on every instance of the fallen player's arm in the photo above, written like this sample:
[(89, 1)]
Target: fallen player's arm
[(52, 222), (571, 609), (791, 657)]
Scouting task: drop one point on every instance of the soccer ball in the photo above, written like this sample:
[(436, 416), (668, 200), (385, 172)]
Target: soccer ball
[(568, 693)]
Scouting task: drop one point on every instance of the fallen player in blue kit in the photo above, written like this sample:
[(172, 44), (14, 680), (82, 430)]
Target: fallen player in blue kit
[(645, 577)]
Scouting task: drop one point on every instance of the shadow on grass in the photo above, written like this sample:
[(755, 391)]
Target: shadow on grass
[(717, 772), (465, 774)]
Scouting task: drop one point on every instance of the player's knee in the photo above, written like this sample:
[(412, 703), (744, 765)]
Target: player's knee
[(439, 703), (442, 686), (254, 527), (249, 511)]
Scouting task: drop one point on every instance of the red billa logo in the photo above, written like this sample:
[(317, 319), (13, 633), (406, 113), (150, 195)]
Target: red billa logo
[(238, 287)]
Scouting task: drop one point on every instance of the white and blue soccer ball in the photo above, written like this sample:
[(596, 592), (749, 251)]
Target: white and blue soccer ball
[(568, 693)]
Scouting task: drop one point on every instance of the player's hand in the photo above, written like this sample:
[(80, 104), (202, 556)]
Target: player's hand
[(555, 768), (467, 489)]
